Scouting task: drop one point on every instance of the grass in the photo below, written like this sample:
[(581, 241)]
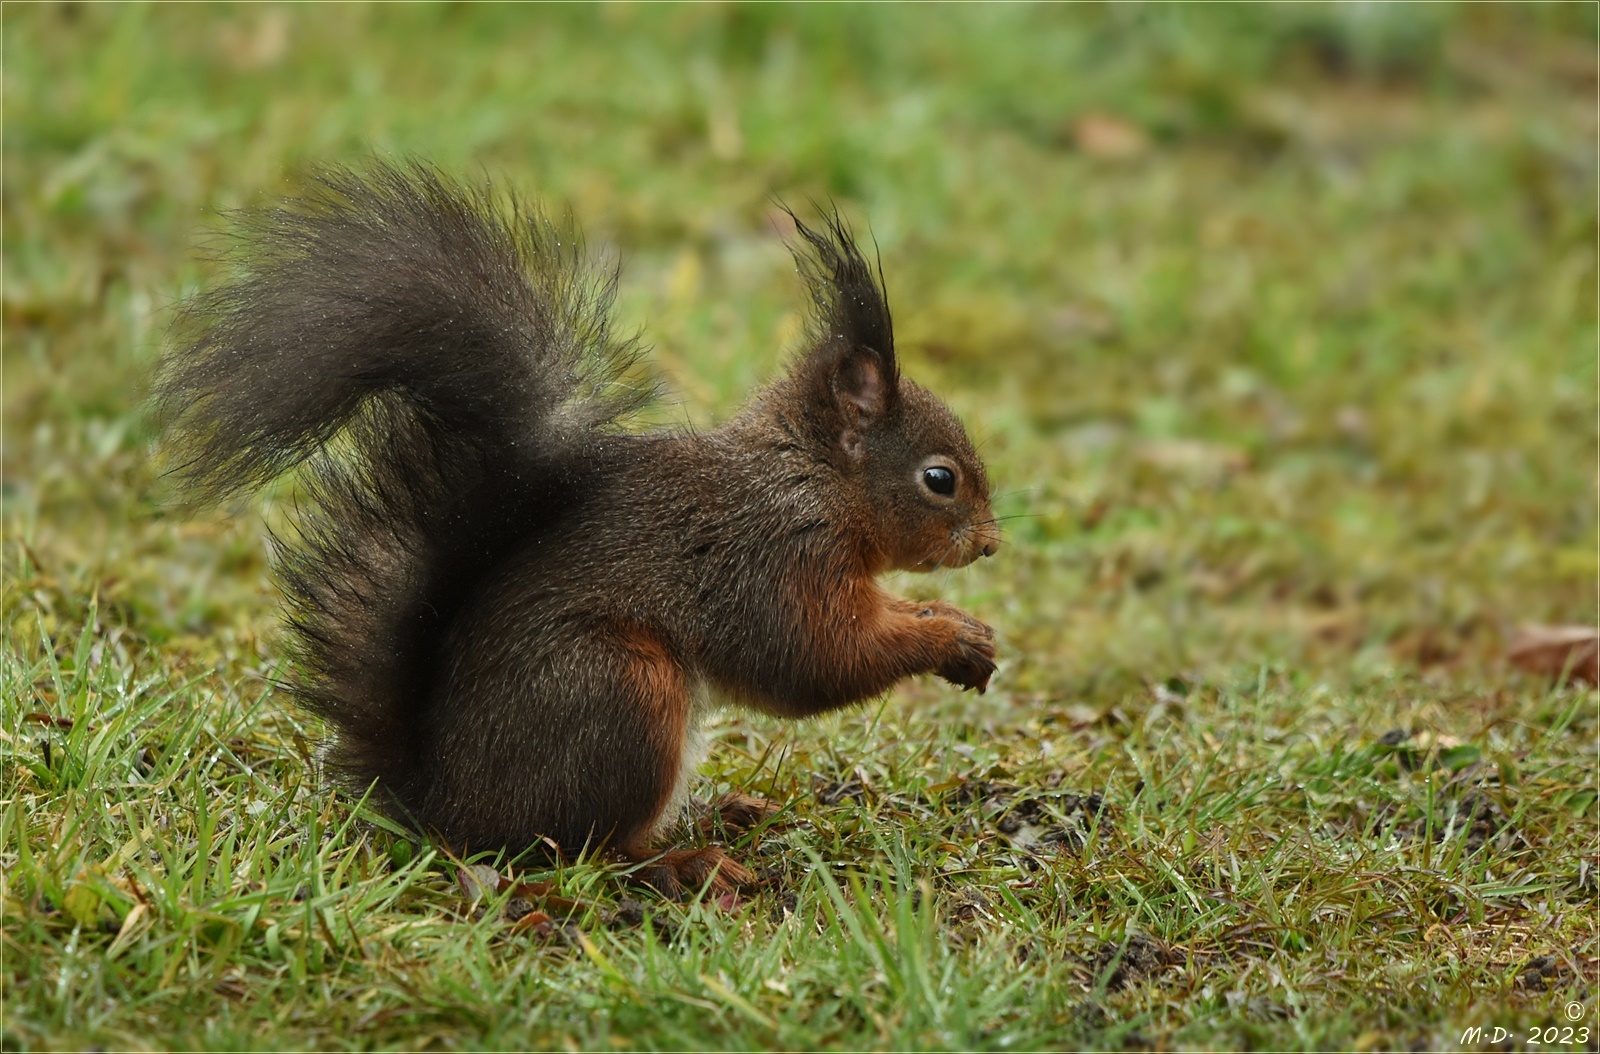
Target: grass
[(1277, 326)]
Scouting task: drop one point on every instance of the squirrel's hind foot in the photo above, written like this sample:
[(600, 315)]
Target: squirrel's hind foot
[(680, 873), (735, 813)]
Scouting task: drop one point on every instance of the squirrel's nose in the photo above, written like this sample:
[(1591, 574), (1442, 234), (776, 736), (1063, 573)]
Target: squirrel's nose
[(991, 546)]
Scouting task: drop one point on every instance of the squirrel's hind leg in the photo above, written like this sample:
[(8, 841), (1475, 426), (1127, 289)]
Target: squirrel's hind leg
[(678, 873), (658, 685), (735, 813)]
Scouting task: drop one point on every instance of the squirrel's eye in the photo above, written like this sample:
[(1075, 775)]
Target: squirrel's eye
[(940, 480)]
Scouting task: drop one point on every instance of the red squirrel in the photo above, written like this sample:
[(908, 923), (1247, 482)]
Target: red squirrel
[(502, 602)]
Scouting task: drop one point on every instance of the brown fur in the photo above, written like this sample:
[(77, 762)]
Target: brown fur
[(679, 871), (502, 604), (658, 685)]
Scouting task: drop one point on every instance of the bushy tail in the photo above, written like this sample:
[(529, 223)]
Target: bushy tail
[(438, 359)]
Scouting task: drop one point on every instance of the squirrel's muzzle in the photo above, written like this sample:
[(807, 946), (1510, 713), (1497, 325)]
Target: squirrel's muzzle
[(985, 539)]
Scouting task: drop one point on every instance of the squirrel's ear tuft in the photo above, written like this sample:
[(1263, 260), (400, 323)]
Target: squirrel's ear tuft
[(851, 335)]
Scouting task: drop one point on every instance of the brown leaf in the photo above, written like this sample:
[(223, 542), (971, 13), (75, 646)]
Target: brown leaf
[(1550, 651), (533, 890), (1096, 512), (1102, 135), (537, 921), (546, 892)]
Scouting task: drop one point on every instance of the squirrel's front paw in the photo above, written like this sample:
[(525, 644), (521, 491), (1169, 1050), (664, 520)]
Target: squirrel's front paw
[(972, 662)]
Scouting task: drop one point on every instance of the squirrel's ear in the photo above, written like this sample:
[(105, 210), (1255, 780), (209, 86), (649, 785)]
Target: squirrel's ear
[(860, 387), (853, 336)]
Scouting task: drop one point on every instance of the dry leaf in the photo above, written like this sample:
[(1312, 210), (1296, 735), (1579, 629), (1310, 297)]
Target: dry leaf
[(1550, 651), (479, 881), (1101, 135), (537, 921), (533, 890)]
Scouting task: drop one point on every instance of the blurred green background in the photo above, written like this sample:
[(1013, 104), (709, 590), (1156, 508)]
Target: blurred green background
[(1263, 313), (1277, 328)]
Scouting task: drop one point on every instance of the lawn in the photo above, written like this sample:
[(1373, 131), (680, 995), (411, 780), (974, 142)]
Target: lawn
[(1277, 328)]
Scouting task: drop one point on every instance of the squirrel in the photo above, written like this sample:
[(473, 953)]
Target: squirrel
[(505, 605)]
